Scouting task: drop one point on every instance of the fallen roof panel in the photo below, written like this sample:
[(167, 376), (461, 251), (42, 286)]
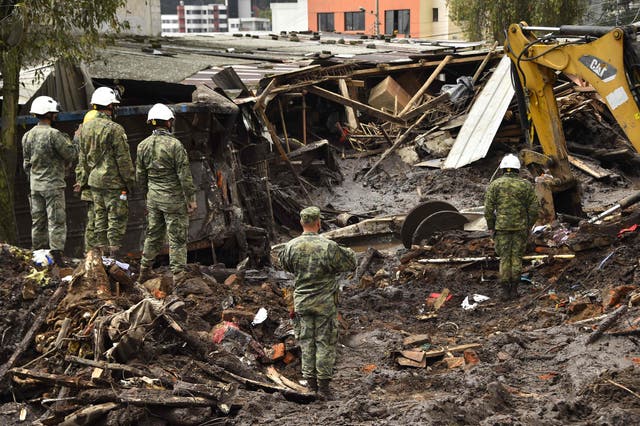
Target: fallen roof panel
[(484, 119)]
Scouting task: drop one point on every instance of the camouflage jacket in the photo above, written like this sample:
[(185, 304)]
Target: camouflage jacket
[(510, 204), (163, 171), (104, 159), (315, 261), (45, 152)]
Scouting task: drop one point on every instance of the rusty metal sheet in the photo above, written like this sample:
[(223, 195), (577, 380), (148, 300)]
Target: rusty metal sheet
[(484, 119)]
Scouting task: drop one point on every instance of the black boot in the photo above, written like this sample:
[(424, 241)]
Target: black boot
[(506, 291), (145, 274), (57, 258), (324, 392), (312, 384), (513, 290)]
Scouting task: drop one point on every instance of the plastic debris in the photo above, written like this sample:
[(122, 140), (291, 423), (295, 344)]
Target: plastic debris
[(42, 257), (108, 261), (476, 298), (261, 315)]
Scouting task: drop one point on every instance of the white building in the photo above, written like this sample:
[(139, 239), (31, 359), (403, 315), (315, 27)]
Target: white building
[(209, 18), (249, 24), (289, 16)]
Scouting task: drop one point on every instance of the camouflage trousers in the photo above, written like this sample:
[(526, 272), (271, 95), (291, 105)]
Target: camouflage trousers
[(510, 246), (318, 339), (89, 229), (110, 215), (48, 219), (160, 222)]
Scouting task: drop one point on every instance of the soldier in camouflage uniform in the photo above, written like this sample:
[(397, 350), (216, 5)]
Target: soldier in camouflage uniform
[(510, 208), (46, 151), (85, 194), (315, 261), (106, 168), (163, 173)]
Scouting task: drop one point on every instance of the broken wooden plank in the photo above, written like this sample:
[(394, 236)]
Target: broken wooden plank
[(459, 348), (425, 86), (88, 415), (427, 106), (28, 338), (413, 355), (355, 104), (441, 299), (278, 144), (352, 121), (406, 362), (396, 144), (416, 339), (476, 76), (494, 258), (607, 323), (52, 379), (144, 397), (588, 167), (386, 70)]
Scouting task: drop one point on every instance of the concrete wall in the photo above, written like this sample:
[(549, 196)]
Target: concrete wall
[(289, 16), (143, 17)]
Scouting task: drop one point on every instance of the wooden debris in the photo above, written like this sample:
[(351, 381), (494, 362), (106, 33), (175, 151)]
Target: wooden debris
[(28, 337), (88, 415), (374, 112), (416, 339), (414, 355), (52, 379), (607, 323), (441, 299), (406, 362)]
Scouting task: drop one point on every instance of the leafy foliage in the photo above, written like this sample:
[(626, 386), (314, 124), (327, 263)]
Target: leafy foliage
[(488, 19), (33, 32)]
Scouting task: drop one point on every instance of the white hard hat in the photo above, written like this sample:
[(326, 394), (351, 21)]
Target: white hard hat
[(42, 105), (510, 161), (104, 96), (160, 112)]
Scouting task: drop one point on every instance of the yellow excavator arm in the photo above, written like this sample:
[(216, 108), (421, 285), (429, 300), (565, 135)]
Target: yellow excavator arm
[(602, 56)]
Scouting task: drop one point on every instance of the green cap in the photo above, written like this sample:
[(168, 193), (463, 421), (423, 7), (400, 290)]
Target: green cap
[(310, 214)]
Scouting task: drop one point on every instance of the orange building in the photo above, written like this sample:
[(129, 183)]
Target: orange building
[(406, 18)]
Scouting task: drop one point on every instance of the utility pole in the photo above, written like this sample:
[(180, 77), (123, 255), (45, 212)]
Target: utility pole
[(377, 17)]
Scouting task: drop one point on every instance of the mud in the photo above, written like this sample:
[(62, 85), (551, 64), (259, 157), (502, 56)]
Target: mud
[(535, 366)]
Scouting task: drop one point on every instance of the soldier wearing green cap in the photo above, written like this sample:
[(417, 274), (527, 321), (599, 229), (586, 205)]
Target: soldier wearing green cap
[(315, 261)]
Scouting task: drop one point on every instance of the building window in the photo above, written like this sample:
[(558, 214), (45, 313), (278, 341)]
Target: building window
[(354, 21), (397, 22), (435, 14), (325, 22)]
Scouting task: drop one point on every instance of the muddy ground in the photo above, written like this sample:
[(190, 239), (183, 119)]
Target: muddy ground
[(535, 365)]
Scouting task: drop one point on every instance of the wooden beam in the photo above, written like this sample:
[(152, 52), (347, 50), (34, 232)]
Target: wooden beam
[(352, 121), (386, 70), (396, 144), (355, 104), (278, 144), (426, 85), (476, 76)]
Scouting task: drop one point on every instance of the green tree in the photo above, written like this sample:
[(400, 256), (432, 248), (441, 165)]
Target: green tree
[(488, 19), (33, 32)]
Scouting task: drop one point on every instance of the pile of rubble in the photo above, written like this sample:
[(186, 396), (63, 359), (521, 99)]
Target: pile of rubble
[(103, 347)]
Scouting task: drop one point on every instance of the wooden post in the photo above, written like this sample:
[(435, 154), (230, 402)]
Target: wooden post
[(276, 141), (351, 114), (304, 119), (426, 85), (284, 125), (476, 76)]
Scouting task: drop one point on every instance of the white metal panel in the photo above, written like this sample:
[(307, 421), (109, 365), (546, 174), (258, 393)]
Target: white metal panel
[(484, 119)]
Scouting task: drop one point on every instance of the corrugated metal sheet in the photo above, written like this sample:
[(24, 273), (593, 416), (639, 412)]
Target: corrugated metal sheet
[(484, 119)]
